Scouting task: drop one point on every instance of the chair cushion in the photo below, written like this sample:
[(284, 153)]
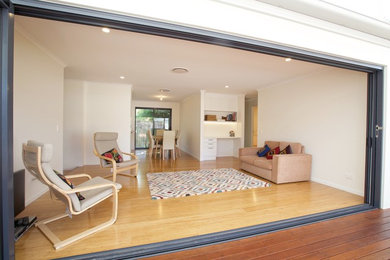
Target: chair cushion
[(286, 150), (113, 154), (46, 150), (70, 184), (95, 195), (295, 147), (263, 151), (106, 136), (263, 163), (126, 163), (271, 153), (52, 176)]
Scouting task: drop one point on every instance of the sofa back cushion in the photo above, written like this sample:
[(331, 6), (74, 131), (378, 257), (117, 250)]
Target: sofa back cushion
[(272, 144), (295, 147)]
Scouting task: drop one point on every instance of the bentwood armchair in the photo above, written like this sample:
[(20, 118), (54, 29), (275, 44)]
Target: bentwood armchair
[(110, 156), (77, 199)]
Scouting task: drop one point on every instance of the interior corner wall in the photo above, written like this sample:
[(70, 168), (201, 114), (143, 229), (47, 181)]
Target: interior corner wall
[(107, 109), (74, 119), (38, 106), (249, 103), (175, 106), (190, 125), (326, 112)]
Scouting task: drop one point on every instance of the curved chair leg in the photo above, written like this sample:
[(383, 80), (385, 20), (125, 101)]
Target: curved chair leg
[(57, 243)]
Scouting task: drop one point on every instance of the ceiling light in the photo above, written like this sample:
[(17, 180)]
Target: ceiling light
[(180, 70), (105, 30), (287, 59), (165, 90), (161, 98), (122, 77), (226, 86)]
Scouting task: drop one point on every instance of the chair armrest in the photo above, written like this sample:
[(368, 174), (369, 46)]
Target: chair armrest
[(291, 168), (92, 187), (248, 151), (113, 162), (81, 175), (131, 155)]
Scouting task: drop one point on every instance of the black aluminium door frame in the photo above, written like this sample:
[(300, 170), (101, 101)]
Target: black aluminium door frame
[(79, 15), (6, 130), (135, 121)]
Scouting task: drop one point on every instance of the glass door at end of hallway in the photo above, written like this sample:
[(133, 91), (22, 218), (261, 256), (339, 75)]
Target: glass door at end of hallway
[(150, 119)]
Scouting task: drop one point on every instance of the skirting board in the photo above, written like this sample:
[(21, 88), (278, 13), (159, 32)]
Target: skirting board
[(338, 186), (36, 196), (188, 152)]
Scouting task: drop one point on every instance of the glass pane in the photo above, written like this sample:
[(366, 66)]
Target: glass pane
[(144, 122), (150, 118), (158, 123), (162, 113), (167, 123)]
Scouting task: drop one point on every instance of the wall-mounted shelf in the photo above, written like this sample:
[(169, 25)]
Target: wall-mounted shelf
[(220, 115)]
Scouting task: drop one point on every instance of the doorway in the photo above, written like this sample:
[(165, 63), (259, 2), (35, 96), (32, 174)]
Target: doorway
[(254, 126), (375, 76), (152, 119)]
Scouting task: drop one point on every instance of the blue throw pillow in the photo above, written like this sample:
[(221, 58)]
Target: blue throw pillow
[(263, 151)]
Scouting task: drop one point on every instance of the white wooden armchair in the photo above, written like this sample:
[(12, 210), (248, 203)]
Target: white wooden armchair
[(36, 158), (106, 141)]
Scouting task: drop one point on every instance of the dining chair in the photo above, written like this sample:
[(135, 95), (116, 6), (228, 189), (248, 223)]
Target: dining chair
[(110, 156), (77, 199), (177, 139), (160, 132), (153, 145), (168, 143)]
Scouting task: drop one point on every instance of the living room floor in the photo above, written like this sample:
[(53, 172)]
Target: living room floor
[(142, 220)]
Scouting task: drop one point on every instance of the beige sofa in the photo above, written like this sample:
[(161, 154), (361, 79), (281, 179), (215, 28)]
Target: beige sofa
[(281, 168)]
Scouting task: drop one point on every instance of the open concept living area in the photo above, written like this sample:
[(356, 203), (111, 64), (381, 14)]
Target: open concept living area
[(134, 139)]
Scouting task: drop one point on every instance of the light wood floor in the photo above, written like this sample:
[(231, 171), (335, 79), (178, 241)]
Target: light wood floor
[(142, 220)]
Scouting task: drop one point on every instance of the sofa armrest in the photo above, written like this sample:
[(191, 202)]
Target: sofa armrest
[(291, 168), (248, 151)]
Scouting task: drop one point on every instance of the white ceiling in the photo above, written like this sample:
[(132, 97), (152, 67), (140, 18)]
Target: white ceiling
[(146, 61)]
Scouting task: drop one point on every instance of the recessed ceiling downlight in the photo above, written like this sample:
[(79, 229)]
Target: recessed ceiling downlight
[(165, 90), (105, 30), (180, 70)]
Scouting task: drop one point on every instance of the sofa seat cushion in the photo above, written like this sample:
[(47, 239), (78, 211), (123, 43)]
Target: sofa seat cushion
[(262, 162), (250, 159)]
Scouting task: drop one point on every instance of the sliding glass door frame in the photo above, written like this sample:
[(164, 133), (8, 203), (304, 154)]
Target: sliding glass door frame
[(153, 127), (61, 12)]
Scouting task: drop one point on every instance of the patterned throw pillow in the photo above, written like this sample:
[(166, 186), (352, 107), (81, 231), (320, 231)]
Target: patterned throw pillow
[(113, 154), (286, 150), (271, 153), (70, 184), (263, 151)]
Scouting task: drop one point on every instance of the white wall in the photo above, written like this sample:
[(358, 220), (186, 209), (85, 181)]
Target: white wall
[(38, 106), (190, 125), (74, 123), (326, 112), (175, 106), (107, 110), (91, 107)]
